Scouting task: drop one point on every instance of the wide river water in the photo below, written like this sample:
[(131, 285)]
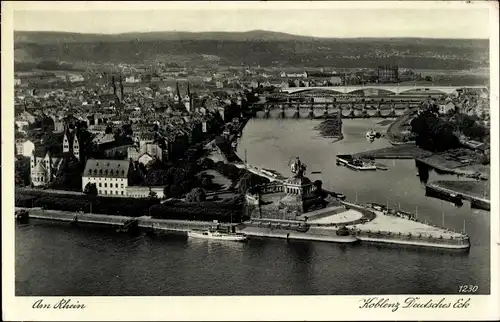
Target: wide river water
[(58, 259)]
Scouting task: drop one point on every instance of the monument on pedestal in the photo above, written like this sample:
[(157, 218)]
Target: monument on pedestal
[(297, 188)]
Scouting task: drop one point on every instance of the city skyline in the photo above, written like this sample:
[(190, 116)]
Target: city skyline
[(328, 22)]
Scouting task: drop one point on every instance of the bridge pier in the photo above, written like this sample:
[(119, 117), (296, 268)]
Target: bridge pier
[(266, 111), (311, 112), (407, 109), (364, 113), (297, 112)]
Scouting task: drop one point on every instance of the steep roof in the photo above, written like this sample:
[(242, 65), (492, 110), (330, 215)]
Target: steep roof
[(106, 168), (102, 138), (39, 168)]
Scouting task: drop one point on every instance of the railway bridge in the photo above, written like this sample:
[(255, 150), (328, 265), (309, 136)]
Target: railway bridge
[(383, 89)]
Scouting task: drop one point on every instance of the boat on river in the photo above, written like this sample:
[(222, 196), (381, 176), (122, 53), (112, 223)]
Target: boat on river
[(355, 163), (217, 235), (21, 214), (371, 134)]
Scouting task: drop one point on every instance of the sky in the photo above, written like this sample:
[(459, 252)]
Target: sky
[(343, 20)]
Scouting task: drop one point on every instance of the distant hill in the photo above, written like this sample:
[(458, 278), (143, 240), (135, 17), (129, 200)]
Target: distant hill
[(252, 48)]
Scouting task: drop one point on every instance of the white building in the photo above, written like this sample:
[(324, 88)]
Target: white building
[(25, 148), (109, 176), (336, 80), (445, 108), (74, 78), (144, 192), (132, 79)]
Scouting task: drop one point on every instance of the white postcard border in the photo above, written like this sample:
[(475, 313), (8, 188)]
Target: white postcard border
[(232, 308)]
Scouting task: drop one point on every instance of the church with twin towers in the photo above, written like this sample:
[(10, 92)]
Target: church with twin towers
[(186, 101)]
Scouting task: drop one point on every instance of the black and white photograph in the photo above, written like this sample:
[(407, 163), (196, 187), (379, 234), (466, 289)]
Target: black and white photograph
[(221, 150)]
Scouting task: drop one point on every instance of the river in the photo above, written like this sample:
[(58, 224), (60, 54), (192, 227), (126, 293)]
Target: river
[(58, 259)]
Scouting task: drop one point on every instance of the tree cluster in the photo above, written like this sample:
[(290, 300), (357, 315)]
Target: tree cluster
[(224, 211), (90, 189), (469, 126), (22, 171), (196, 195), (69, 175), (235, 174), (433, 133)]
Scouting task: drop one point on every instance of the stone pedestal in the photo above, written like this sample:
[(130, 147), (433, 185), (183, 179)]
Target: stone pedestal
[(296, 188)]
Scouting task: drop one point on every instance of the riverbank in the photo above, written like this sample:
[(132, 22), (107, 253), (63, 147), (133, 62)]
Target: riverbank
[(404, 151), (396, 131), (442, 162), (122, 222), (469, 190), (363, 224)]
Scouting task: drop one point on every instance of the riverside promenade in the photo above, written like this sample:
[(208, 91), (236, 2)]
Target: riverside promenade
[(145, 222), (379, 227), (469, 190), (364, 224), (395, 131)]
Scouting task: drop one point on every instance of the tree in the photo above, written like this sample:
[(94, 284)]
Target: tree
[(22, 171), (126, 130), (166, 191), (244, 184), (109, 130), (433, 133), (206, 182), (69, 175), (196, 195), (90, 189), (157, 177), (152, 194)]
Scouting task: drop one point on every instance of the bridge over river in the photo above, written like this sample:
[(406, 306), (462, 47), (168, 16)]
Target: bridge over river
[(344, 109), (375, 89)]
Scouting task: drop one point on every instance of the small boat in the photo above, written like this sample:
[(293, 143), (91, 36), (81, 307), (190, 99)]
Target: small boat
[(377, 206), (340, 196), (404, 214), (371, 134), (209, 234), (343, 231), (358, 164), (355, 163), (21, 214), (302, 228)]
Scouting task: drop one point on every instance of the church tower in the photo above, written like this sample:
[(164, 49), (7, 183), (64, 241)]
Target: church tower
[(121, 90), (177, 97), (188, 100), (113, 84)]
